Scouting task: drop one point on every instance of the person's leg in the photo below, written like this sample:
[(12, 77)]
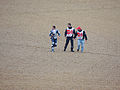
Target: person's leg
[(55, 42), (72, 44), (67, 41), (82, 45), (78, 42), (52, 46)]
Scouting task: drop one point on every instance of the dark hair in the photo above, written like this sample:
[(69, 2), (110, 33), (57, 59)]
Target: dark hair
[(69, 24), (54, 26)]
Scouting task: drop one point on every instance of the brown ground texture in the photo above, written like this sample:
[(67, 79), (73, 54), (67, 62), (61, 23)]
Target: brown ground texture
[(26, 62)]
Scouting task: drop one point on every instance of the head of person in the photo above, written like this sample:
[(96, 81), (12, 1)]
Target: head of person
[(54, 27), (69, 25), (79, 28)]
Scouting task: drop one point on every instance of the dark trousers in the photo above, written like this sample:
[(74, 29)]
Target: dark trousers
[(67, 42), (54, 42)]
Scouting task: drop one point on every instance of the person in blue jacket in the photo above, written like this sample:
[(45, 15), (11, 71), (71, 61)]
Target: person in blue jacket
[(53, 34)]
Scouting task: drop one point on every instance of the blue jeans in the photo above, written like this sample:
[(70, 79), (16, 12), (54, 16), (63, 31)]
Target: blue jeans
[(81, 43), (54, 44)]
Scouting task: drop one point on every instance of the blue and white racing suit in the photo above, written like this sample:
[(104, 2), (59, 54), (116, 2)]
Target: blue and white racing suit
[(53, 34)]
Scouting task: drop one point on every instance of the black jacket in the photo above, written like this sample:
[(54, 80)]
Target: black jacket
[(73, 32)]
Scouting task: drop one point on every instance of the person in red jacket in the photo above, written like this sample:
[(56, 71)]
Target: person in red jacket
[(81, 37)]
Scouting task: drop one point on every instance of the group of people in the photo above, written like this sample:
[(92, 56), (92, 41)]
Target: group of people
[(70, 35)]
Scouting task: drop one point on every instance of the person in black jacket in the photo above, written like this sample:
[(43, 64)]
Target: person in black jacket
[(81, 35), (69, 34)]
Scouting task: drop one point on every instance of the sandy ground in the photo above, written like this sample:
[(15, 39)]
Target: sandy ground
[(26, 62)]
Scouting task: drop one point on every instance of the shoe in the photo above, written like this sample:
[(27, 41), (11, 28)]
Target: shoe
[(77, 50), (64, 50), (72, 51)]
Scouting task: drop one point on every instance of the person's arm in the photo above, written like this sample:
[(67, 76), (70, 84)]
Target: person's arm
[(58, 33), (74, 31), (50, 33), (75, 34), (65, 32), (85, 36)]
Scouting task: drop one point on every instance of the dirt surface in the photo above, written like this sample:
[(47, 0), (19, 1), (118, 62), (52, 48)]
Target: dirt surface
[(26, 62)]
